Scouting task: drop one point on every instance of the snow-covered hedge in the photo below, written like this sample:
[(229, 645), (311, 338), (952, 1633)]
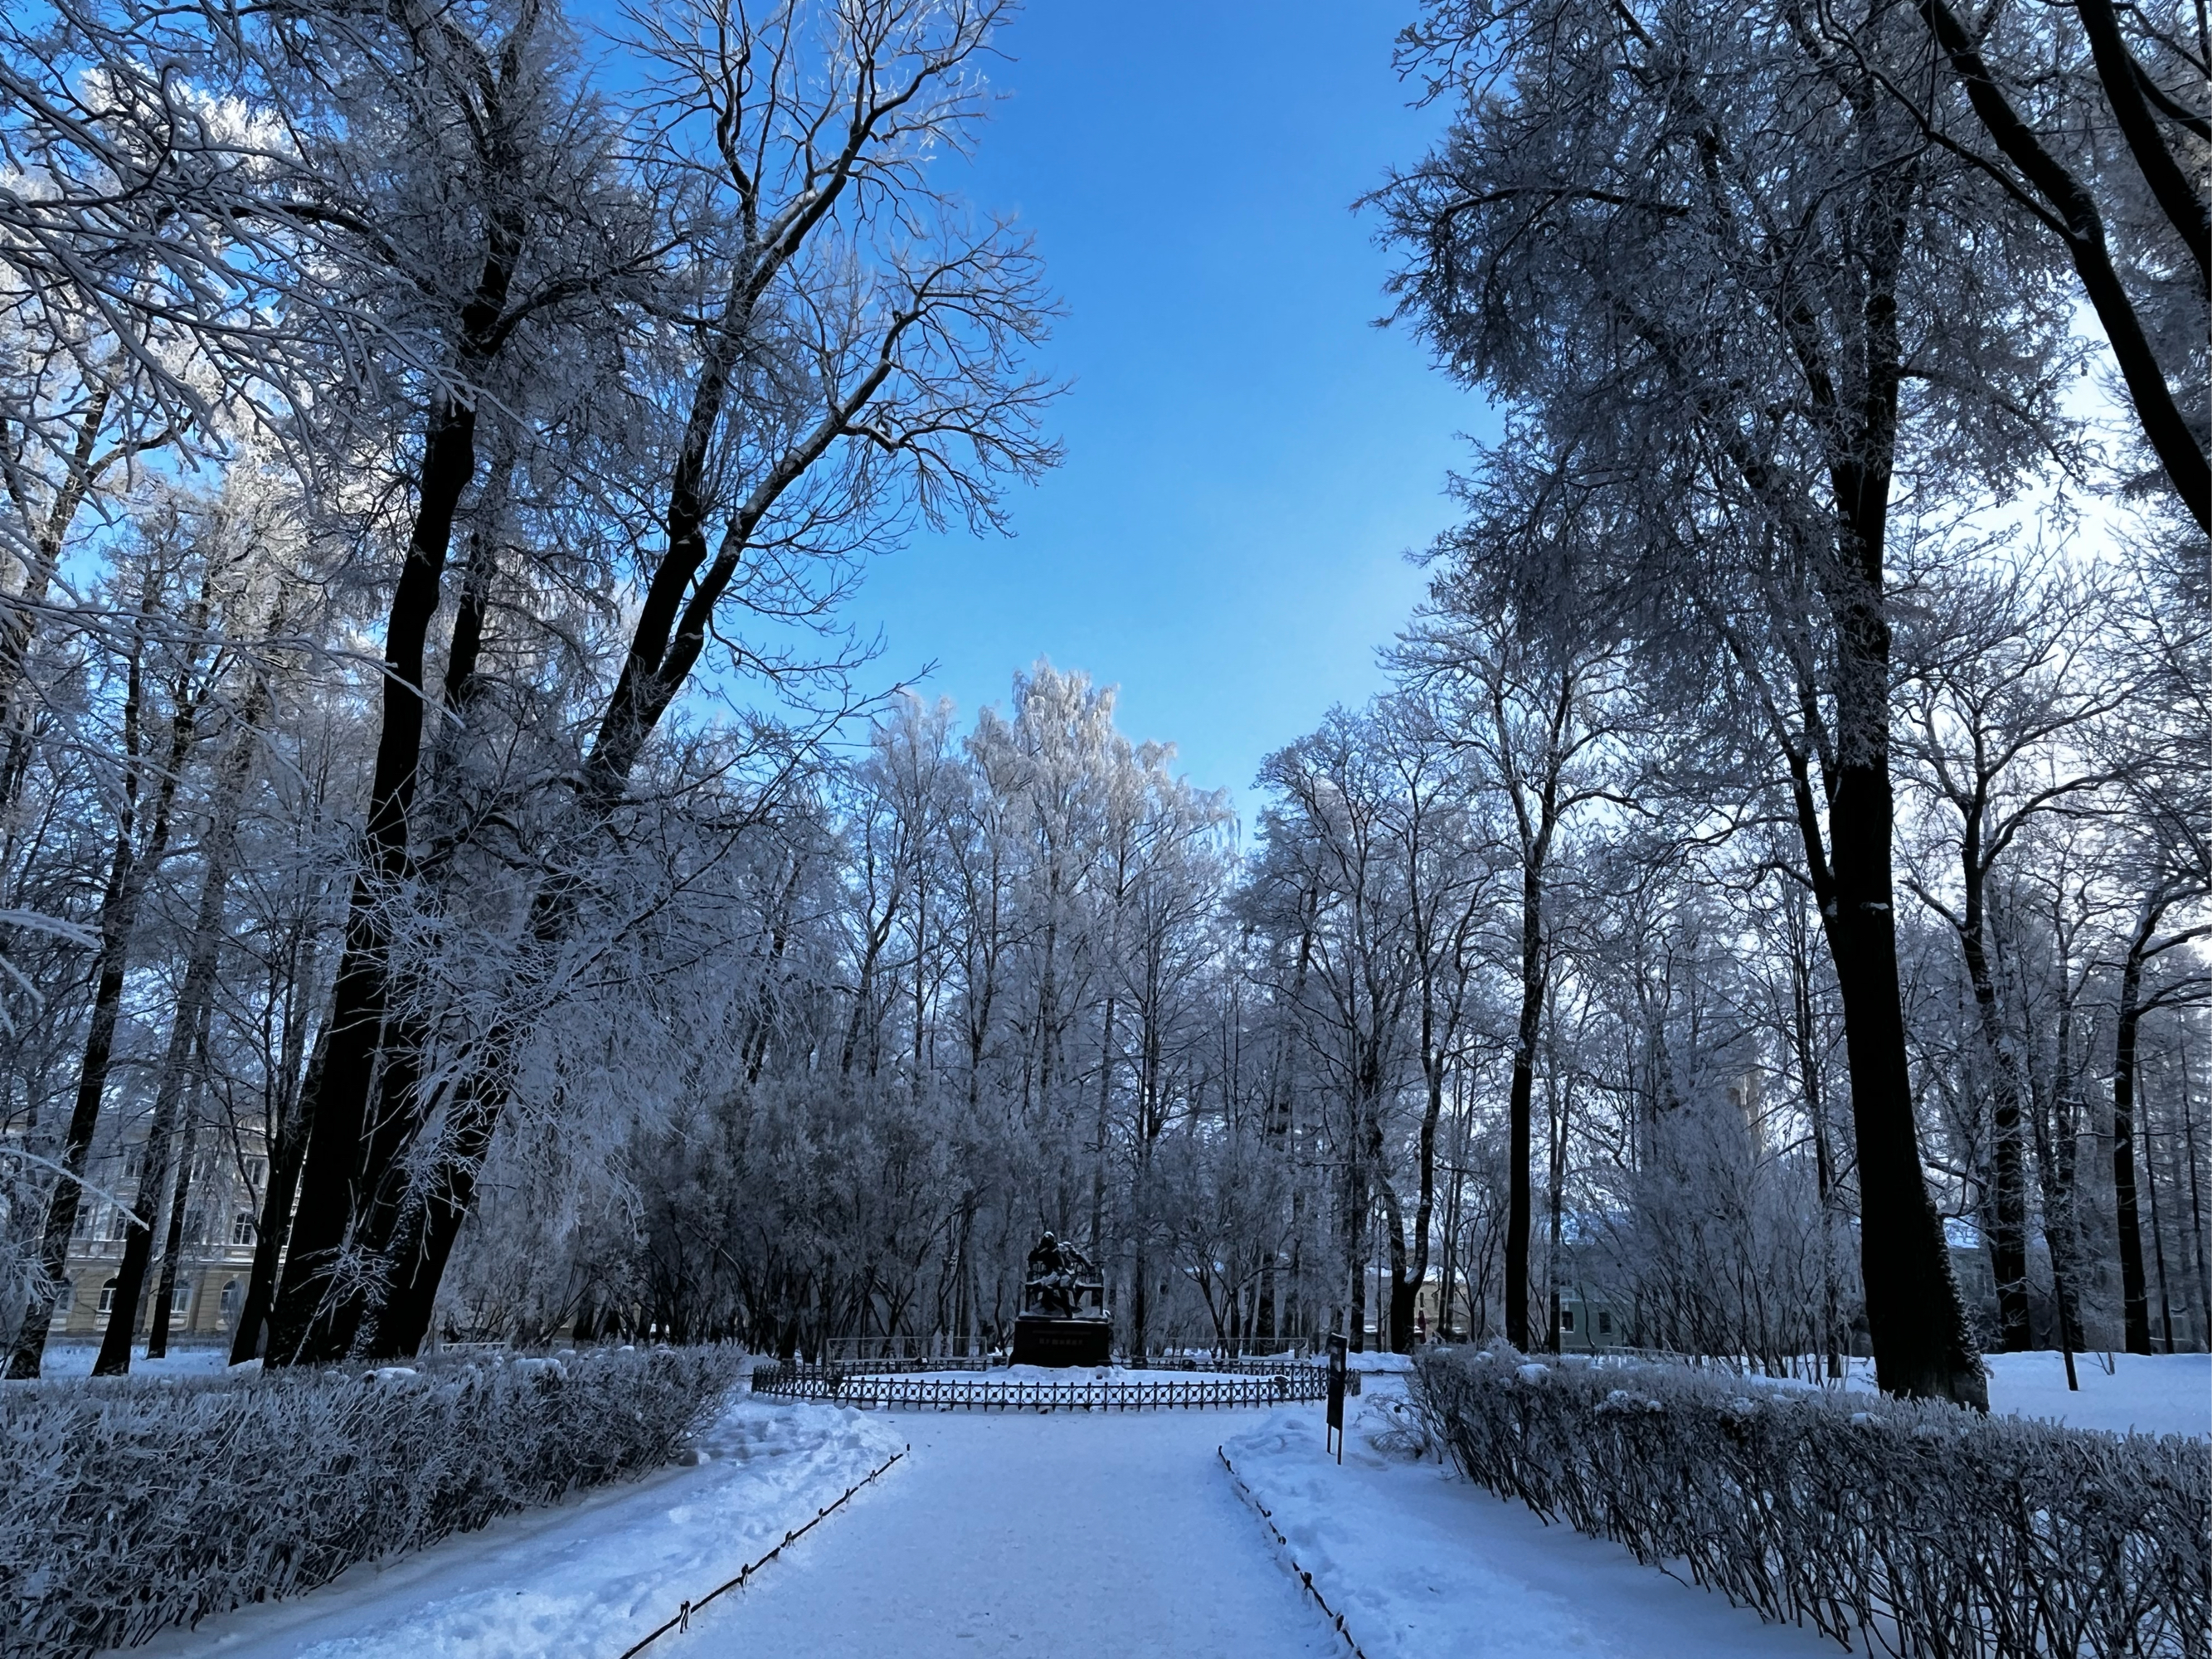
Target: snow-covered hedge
[(128, 1505), (1922, 1529)]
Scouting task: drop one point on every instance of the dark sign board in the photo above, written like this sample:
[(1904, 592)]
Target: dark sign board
[(1336, 1367)]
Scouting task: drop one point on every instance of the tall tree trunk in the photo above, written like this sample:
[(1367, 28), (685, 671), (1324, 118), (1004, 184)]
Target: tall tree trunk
[(1358, 1203), (2008, 1152), (2054, 1159), (2135, 1293), (674, 623), (18, 612), (1104, 1136), (114, 1357), (664, 647), (194, 997), (1425, 1203), (287, 1145), (173, 1246), (1555, 1202), (2196, 1200), (315, 1320), (129, 868), (2157, 1232), (1804, 1037), (1520, 1104), (1404, 1288), (1918, 1329), (318, 1312)]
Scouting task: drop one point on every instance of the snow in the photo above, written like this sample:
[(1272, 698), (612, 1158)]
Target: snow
[(2148, 1393), (1077, 1534), (588, 1578), (1375, 1365), (1422, 1566), (1064, 1537), (75, 1359)]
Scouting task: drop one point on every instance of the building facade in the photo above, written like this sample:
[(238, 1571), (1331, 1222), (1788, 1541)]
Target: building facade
[(215, 1255)]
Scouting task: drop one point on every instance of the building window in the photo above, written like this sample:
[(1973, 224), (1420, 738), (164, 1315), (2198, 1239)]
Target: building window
[(1604, 1323), (196, 1226), (65, 1301), (242, 1227), (116, 1224), (181, 1299), (107, 1296), (1566, 1319), (232, 1296), (257, 1171), (134, 1164)]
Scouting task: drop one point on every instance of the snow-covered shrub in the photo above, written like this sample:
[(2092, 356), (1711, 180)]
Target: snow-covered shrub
[(1396, 1427), (131, 1504), (1921, 1528)]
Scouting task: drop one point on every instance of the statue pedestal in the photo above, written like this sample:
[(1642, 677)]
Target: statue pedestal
[(1044, 1339)]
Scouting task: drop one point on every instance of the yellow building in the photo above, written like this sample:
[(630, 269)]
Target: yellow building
[(215, 1255)]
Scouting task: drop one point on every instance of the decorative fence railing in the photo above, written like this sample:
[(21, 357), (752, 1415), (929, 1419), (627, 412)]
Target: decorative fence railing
[(973, 1391), (1234, 1365), (980, 1364), (923, 1353)]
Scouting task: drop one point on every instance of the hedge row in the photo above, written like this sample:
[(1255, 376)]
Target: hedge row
[(1922, 1529), (129, 1505)]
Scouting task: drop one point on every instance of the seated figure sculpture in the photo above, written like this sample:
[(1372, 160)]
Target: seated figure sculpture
[(1044, 1268), (1054, 1326)]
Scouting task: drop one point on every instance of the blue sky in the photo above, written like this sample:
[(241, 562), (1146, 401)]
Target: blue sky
[(1247, 456)]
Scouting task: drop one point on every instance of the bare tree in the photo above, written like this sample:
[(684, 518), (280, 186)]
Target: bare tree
[(1996, 692), (1533, 705), (1736, 362), (2093, 121)]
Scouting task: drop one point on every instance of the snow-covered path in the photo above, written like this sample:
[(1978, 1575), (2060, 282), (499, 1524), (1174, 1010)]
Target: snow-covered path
[(1423, 1565), (1063, 1536), (1059, 1537), (582, 1580)]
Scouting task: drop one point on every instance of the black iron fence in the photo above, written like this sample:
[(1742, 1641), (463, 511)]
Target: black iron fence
[(870, 1385), (919, 1354), (983, 1365)]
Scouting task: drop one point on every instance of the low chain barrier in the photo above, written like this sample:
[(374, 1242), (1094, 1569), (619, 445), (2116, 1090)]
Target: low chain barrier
[(1334, 1615), (943, 1391), (681, 1621)]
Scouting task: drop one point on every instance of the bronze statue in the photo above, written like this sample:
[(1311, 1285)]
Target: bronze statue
[(1054, 1327)]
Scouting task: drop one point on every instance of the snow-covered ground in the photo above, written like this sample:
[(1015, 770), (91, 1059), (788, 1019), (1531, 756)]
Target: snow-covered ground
[(2147, 1393), (75, 1359), (1067, 1536), (1075, 1535), (1422, 1566), (2152, 1393), (1374, 1365), (1062, 1536), (586, 1579)]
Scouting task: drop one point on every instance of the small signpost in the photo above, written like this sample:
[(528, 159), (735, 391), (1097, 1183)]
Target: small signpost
[(1335, 1397)]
